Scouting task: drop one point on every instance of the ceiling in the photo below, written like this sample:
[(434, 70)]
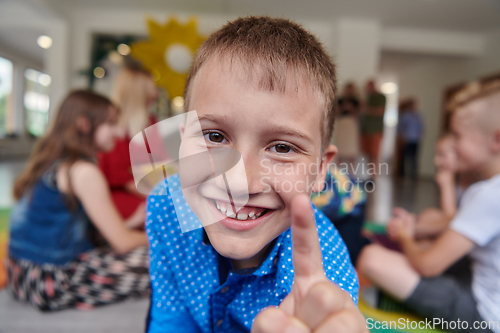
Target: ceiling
[(19, 39), (452, 15), (22, 42), (456, 15)]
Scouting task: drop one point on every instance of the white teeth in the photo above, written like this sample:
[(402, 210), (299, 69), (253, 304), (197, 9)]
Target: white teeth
[(241, 216)]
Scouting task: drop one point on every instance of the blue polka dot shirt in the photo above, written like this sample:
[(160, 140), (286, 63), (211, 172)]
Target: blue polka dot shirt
[(187, 295)]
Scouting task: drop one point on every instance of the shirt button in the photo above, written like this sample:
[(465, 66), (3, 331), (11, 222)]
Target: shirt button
[(219, 322), (275, 261), (225, 289)]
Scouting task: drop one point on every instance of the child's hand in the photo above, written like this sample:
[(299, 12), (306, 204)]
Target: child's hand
[(315, 304), (444, 176), (401, 225)]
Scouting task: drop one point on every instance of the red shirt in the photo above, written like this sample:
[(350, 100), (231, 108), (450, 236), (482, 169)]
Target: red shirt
[(117, 169)]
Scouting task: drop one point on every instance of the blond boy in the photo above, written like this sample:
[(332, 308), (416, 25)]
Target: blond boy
[(416, 277)]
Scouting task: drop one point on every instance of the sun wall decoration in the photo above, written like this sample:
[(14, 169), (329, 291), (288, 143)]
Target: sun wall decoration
[(168, 53)]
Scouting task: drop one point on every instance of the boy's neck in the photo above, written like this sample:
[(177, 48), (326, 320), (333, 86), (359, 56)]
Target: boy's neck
[(255, 261), (492, 168)]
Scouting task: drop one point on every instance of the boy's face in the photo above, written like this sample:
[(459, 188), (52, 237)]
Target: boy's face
[(278, 136), (472, 141), (446, 156)]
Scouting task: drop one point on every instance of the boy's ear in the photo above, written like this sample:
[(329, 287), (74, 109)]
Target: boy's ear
[(496, 142), (326, 159), (83, 125)]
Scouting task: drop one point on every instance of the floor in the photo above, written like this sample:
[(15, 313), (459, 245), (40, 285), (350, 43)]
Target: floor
[(126, 317), (413, 196), (129, 317)]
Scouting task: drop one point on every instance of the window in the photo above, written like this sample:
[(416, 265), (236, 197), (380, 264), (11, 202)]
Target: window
[(6, 107), (36, 101)]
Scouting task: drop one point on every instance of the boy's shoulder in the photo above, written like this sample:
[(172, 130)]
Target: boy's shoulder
[(483, 189), (478, 215)]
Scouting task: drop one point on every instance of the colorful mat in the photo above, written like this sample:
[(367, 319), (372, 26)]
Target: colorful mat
[(393, 322), (388, 321), (4, 232)]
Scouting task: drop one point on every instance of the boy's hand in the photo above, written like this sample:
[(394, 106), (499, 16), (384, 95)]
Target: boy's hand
[(401, 225), (315, 304), (444, 177)]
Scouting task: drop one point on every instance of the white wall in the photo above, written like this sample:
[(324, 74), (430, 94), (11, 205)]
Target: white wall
[(85, 22), (358, 50), (427, 79)]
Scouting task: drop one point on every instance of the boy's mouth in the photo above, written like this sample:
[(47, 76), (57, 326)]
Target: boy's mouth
[(245, 213)]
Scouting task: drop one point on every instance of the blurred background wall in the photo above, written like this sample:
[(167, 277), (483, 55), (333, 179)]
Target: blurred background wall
[(422, 47)]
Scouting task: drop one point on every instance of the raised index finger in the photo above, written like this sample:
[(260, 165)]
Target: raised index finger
[(306, 252)]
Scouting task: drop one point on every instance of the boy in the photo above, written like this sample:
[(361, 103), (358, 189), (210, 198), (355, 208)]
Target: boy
[(416, 277), (266, 89)]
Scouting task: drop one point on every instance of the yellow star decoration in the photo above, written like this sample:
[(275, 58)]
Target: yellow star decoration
[(156, 53)]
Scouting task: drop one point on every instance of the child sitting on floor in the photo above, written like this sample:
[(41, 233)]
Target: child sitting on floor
[(433, 221), (343, 201), (264, 88), (415, 277), (52, 264)]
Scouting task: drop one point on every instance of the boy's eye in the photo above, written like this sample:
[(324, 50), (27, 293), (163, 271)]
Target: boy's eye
[(282, 148), (215, 137)]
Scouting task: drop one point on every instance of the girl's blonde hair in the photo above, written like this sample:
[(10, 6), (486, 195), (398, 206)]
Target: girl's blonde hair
[(133, 86)]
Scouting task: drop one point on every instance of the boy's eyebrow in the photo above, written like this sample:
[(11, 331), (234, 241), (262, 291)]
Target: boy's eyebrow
[(214, 118), (286, 130), (277, 129)]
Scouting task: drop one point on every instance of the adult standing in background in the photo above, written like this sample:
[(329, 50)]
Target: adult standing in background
[(347, 136), (410, 130), (398, 151), (372, 125), (134, 93)]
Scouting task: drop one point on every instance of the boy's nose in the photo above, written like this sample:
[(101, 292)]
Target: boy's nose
[(255, 178), (243, 179), (235, 182)]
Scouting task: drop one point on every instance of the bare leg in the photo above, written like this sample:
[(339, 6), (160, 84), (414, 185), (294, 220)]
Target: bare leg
[(389, 270), (424, 244)]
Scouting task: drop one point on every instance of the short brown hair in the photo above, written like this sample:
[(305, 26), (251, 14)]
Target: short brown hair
[(278, 47)]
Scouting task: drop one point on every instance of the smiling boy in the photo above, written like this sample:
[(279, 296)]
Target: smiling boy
[(266, 89)]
